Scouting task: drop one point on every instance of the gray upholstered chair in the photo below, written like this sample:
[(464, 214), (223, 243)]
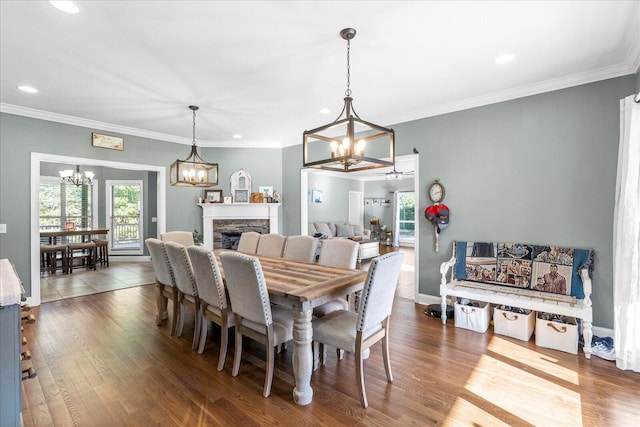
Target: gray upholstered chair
[(271, 245), (186, 284), (301, 248), (214, 305), (165, 282), (254, 315), (356, 332), (341, 253), (185, 238), (248, 243)]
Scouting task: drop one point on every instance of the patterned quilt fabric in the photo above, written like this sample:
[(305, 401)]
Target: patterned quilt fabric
[(541, 268)]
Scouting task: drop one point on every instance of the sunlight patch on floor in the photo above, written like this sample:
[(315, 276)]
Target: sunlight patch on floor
[(534, 359), (523, 394), (474, 416)]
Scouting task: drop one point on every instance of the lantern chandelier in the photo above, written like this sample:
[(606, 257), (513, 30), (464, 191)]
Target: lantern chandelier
[(67, 176), (340, 145), (193, 171)]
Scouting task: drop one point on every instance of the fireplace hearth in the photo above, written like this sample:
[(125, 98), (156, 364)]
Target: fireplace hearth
[(234, 219)]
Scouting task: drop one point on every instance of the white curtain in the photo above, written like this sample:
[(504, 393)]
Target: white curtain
[(626, 240)]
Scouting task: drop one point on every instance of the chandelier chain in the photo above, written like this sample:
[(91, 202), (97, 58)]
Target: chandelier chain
[(348, 91), (194, 127)]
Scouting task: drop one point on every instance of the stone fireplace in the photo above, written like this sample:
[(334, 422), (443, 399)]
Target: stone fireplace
[(226, 221)]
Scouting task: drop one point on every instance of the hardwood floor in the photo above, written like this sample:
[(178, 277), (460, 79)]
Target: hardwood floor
[(101, 360)]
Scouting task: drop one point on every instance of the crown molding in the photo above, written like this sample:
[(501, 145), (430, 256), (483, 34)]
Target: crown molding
[(124, 130), (519, 92)]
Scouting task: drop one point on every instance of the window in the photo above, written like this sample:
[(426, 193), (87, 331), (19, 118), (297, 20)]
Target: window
[(406, 216), (60, 203)]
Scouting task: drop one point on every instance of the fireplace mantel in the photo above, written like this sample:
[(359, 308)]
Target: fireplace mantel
[(211, 211)]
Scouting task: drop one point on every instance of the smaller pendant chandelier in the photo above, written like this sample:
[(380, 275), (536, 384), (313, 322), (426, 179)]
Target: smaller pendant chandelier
[(76, 178), (193, 171), (329, 147)]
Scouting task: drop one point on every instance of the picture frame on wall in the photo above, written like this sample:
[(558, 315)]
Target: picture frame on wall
[(107, 141), (316, 196), (213, 196)]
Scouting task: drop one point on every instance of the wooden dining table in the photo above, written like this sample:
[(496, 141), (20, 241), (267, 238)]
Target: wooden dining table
[(301, 287), (86, 233)]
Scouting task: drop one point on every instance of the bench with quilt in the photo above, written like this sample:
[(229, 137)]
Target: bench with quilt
[(542, 278)]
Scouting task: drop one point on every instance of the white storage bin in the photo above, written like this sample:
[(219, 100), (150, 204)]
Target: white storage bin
[(513, 324), (557, 335), (471, 317)]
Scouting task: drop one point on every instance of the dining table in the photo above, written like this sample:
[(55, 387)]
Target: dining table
[(301, 287), (86, 233)]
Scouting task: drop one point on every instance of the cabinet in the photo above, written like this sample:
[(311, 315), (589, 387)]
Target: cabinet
[(10, 366)]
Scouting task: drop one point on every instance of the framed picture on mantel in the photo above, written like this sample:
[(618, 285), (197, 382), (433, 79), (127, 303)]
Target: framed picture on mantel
[(241, 196)]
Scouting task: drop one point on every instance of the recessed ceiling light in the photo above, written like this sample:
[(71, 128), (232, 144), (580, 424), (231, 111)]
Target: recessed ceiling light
[(237, 136), (505, 59), (65, 6), (325, 111), (28, 89)]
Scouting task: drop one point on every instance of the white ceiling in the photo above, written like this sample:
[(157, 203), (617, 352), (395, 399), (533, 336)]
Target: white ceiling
[(264, 69)]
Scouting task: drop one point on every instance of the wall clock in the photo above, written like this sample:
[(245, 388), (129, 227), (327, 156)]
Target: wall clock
[(436, 192)]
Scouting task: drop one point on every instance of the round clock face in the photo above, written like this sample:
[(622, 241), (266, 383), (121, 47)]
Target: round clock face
[(436, 192)]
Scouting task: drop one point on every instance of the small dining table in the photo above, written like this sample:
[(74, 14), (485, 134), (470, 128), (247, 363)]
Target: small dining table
[(301, 287), (86, 233)]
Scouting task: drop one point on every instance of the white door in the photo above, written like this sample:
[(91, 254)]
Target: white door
[(356, 208), (124, 216)]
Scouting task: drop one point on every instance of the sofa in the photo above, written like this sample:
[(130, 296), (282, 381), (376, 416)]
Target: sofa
[(331, 230)]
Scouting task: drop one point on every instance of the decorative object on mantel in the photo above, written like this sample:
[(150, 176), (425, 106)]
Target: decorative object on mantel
[(257, 197), (107, 141), (213, 196), (323, 148), (193, 171), (227, 199), (240, 186), (69, 177)]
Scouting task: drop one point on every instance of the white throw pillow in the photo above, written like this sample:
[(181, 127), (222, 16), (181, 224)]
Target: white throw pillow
[(357, 229), (332, 228), (322, 227), (344, 230)]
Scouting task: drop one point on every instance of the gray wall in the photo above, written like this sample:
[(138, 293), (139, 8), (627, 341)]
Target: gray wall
[(20, 136), (335, 203)]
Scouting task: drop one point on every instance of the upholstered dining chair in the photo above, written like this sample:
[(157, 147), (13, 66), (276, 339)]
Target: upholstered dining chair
[(186, 284), (356, 332), (165, 282), (301, 248), (185, 238), (341, 253), (248, 243), (254, 315), (214, 305), (271, 245)]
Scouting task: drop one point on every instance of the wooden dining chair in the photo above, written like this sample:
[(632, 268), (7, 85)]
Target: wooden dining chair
[(341, 253), (187, 289), (248, 243), (214, 305), (301, 248), (271, 245), (185, 238), (356, 332), (165, 283), (254, 315)]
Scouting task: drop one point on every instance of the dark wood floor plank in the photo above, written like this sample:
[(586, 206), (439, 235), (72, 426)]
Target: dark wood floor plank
[(102, 360)]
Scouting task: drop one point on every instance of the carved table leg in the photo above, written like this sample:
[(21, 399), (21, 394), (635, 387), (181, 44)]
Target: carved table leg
[(302, 357)]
